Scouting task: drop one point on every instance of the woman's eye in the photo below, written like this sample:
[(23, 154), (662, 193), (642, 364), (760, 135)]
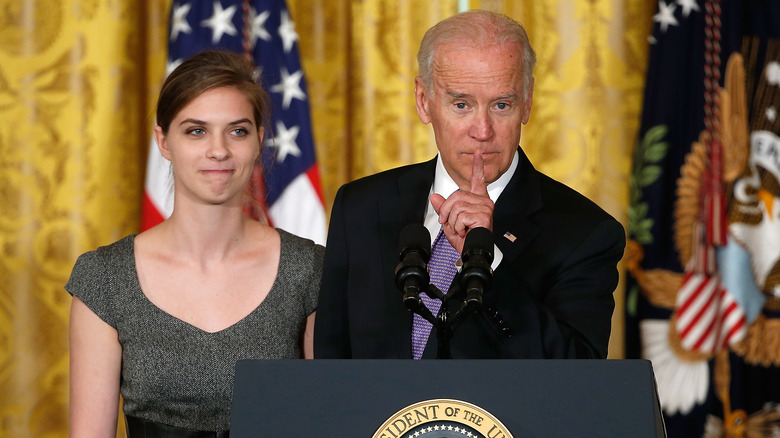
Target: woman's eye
[(240, 131), (196, 131)]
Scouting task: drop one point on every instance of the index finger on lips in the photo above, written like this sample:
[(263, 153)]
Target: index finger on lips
[(478, 183)]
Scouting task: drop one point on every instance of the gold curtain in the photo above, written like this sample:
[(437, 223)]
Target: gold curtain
[(78, 81), (74, 128)]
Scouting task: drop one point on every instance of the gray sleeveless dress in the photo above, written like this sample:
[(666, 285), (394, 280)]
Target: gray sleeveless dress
[(173, 372)]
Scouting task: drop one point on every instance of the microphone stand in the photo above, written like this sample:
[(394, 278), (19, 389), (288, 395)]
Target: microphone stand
[(412, 277), (444, 323)]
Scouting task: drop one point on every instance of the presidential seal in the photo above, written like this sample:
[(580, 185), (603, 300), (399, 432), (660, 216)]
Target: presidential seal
[(442, 418)]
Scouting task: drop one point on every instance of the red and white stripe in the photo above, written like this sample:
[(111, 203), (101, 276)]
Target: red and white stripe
[(708, 317), (158, 189), (300, 209)]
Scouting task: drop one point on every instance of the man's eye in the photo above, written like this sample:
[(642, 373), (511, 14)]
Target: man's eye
[(460, 105), (502, 105)]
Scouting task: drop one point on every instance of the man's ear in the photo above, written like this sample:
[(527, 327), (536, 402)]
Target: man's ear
[(162, 144), (423, 100), (528, 101)]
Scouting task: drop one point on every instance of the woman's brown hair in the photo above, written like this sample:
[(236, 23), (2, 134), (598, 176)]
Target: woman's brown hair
[(205, 71)]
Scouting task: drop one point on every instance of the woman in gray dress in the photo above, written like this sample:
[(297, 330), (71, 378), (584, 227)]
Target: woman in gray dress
[(162, 317)]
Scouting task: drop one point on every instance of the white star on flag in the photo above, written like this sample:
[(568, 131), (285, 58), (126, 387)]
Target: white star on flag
[(287, 32), (284, 142), (290, 86), (773, 73), (179, 21), (771, 114), (665, 16), (171, 65), (688, 6), (221, 22), (257, 23)]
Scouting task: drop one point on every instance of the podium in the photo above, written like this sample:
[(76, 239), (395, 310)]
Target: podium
[(361, 398)]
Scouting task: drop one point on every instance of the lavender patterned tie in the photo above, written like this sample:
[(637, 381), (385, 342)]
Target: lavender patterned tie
[(442, 268)]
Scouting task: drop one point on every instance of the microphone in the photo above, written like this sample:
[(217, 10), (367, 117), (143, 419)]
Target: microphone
[(411, 274), (476, 275)]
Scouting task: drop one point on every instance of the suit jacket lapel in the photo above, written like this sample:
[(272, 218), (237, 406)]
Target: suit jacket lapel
[(406, 207), (402, 208), (513, 229)]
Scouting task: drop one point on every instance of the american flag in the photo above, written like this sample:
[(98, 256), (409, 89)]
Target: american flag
[(290, 191)]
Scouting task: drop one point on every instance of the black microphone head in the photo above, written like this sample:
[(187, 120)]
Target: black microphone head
[(415, 237), (479, 241)]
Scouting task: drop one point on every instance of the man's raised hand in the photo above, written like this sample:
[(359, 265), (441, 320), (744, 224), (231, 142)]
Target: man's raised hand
[(465, 210)]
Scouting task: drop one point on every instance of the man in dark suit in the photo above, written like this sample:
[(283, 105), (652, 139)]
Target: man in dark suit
[(555, 251)]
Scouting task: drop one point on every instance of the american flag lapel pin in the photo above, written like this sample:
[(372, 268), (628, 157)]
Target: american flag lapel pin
[(510, 237)]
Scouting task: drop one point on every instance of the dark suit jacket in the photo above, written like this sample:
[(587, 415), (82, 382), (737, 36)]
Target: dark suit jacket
[(551, 295)]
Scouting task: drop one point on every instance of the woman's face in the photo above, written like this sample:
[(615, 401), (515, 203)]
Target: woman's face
[(212, 144)]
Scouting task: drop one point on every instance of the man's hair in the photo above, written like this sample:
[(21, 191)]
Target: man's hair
[(476, 28)]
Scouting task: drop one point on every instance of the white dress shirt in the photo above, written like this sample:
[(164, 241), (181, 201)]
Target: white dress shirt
[(444, 185)]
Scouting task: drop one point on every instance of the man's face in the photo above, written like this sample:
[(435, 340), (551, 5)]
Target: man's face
[(476, 105)]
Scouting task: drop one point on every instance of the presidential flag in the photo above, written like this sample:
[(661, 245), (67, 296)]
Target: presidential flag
[(704, 224), (288, 188)]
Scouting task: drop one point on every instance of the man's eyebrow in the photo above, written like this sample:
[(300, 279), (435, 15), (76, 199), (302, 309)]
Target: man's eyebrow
[(456, 95), (508, 96), (512, 96)]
